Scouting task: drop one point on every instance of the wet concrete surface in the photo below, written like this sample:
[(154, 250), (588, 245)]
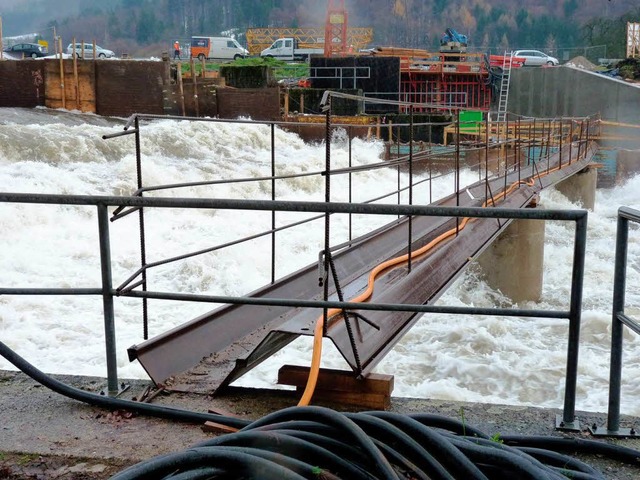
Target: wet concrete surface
[(44, 435)]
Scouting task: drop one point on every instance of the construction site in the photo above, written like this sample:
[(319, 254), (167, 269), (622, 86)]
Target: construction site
[(521, 131)]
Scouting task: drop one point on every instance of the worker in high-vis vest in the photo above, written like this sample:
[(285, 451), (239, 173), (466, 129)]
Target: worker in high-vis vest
[(176, 50)]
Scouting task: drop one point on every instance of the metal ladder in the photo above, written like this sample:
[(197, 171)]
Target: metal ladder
[(504, 87)]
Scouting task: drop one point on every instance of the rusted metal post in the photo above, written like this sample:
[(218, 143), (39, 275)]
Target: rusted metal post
[(181, 88), (62, 94), (195, 87), (75, 78), (410, 233), (350, 136), (486, 159), (273, 198), (327, 217), (560, 132)]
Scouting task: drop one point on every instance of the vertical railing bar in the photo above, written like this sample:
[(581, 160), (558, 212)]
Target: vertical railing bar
[(548, 150), (486, 159), (619, 287), (349, 133), (570, 139), (456, 177), (530, 155), (273, 197), (430, 164), (586, 138), (398, 185), (409, 263), (518, 154), (560, 132), (143, 249), (107, 300), (575, 312), (327, 217), (505, 145)]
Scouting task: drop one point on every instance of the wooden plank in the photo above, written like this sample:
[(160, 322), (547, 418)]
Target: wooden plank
[(373, 401), (214, 427), (337, 380)]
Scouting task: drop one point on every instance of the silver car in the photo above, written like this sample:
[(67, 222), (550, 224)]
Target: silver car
[(85, 50), (535, 58)]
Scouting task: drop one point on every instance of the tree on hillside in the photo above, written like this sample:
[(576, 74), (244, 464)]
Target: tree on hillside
[(610, 32)]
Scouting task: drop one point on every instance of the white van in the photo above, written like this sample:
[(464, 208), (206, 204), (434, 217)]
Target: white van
[(218, 48)]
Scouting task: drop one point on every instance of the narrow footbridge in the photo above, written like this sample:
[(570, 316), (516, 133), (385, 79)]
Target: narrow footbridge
[(211, 351)]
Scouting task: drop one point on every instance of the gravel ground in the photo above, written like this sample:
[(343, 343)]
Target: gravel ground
[(44, 435)]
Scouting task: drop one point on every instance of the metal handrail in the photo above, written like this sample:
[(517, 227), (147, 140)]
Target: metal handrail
[(619, 321), (327, 208), (108, 293)]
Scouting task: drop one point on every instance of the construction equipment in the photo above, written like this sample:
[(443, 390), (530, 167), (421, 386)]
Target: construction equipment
[(307, 37), (453, 42)]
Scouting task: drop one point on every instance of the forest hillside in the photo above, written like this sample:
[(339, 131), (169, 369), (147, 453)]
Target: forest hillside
[(150, 26)]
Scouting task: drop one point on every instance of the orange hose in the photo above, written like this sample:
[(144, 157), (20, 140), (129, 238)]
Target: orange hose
[(316, 357)]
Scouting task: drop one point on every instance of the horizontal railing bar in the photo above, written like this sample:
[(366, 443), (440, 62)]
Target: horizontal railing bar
[(294, 206), (395, 307), (51, 291), (629, 322), (119, 134), (629, 213)]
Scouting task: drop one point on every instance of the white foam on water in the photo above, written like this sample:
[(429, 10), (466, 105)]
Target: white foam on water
[(518, 361)]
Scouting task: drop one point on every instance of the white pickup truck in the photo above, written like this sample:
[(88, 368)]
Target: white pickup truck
[(287, 49)]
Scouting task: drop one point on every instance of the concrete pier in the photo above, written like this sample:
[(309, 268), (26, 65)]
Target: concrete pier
[(581, 188), (513, 263)]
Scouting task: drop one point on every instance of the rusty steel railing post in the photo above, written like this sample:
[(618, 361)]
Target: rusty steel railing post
[(410, 223), (143, 249), (273, 197), (350, 175), (107, 300), (326, 105), (486, 159), (561, 132)]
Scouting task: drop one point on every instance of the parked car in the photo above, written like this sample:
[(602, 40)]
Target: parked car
[(32, 50), (87, 51), (535, 58)]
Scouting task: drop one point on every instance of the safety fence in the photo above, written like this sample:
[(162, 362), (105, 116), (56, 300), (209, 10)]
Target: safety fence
[(620, 320)]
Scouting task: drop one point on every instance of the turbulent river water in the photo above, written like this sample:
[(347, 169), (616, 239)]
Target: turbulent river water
[(485, 359)]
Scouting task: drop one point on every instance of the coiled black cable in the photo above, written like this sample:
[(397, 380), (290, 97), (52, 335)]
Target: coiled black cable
[(319, 443)]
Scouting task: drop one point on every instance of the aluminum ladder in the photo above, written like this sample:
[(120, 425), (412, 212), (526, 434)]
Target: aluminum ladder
[(504, 86)]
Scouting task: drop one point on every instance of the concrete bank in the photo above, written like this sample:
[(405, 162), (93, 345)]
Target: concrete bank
[(45, 435)]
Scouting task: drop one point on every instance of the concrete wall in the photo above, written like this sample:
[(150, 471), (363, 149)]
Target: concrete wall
[(566, 91), (127, 87), (259, 104), (124, 87), (22, 84)]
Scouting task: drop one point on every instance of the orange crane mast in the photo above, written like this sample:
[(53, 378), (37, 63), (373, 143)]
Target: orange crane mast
[(335, 35)]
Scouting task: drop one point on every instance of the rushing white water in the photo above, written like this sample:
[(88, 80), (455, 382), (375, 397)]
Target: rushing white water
[(485, 359)]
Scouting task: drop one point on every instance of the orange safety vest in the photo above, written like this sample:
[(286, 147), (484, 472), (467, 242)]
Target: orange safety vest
[(176, 46)]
